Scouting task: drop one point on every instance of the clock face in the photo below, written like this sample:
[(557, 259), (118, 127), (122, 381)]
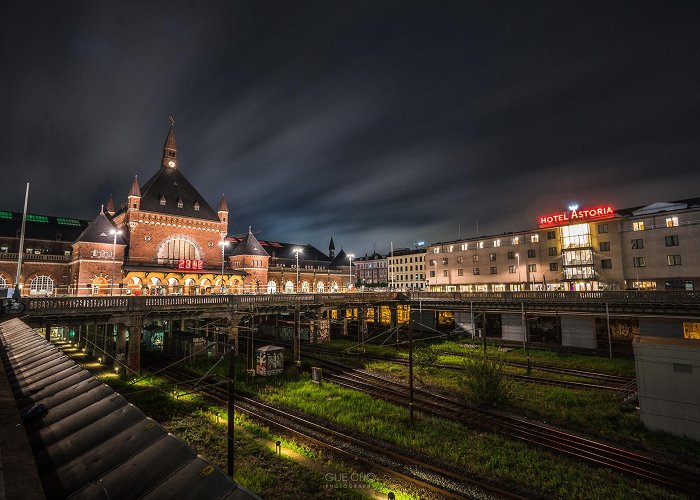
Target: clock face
[(171, 163)]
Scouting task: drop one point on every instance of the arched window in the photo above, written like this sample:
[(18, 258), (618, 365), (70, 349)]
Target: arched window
[(305, 287), (271, 287), (41, 285), (3, 283), (334, 287), (155, 281), (189, 282), (320, 287), (175, 249), (136, 280), (289, 287), (173, 282)]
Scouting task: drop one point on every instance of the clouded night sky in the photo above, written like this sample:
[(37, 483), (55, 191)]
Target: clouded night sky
[(368, 122)]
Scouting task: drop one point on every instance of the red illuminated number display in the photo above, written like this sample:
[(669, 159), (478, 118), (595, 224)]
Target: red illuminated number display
[(189, 264)]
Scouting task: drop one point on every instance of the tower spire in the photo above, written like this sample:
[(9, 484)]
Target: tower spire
[(170, 146)]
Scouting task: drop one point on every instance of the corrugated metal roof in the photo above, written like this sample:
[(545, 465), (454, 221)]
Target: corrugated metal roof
[(91, 442)]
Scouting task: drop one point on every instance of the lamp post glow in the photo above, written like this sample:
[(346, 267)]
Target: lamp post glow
[(350, 256), (297, 251), (223, 244), (113, 232)]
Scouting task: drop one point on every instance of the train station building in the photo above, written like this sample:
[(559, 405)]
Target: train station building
[(164, 239)]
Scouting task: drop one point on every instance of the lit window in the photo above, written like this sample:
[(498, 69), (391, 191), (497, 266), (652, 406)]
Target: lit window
[(431, 262), (444, 261), (511, 269), (162, 200), (671, 221), (460, 259), (475, 258), (532, 268), (492, 257), (480, 245), (496, 243), (674, 260), (180, 204), (196, 206), (465, 246), (514, 241), (535, 238), (638, 226), (672, 241), (451, 248)]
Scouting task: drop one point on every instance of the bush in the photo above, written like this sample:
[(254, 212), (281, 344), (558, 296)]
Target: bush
[(425, 357), (485, 382)]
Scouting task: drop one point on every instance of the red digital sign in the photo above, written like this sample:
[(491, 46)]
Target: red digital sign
[(189, 264), (573, 216)]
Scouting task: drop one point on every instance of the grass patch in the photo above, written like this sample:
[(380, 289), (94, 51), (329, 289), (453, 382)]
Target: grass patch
[(483, 454)]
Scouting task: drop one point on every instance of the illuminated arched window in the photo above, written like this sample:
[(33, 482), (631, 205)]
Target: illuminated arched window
[(289, 287), (271, 287), (171, 251), (334, 287), (3, 283), (320, 287), (41, 285), (305, 287)]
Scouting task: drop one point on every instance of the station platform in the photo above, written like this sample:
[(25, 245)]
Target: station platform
[(65, 434)]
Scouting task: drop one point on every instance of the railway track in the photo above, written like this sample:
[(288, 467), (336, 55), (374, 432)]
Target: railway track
[(554, 440), (610, 383), (424, 474)]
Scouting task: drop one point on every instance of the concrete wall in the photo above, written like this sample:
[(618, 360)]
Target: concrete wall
[(578, 331), (668, 381), (661, 327), (512, 326)]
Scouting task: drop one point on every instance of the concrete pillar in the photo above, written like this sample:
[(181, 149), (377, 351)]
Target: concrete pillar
[(134, 356), (120, 349), (578, 331)]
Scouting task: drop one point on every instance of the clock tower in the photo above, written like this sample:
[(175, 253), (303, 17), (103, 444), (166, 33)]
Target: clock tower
[(170, 147)]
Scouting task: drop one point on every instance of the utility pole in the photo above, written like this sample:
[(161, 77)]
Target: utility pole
[(231, 387)]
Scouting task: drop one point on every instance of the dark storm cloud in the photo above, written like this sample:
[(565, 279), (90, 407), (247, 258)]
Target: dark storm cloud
[(390, 122)]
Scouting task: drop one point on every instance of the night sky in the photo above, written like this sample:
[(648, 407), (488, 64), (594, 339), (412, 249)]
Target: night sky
[(368, 122)]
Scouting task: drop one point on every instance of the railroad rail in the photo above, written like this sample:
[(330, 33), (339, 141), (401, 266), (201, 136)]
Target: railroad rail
[(554, 440), (420, 472)]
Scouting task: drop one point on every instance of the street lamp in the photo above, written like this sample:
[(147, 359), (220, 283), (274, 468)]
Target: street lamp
[(113, 232), (517, 256), (350, 256), (223, 244), (297, 251)]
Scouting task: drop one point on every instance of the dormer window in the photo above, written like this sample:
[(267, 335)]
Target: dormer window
[(196, 206), (180, 204), (162, 200)]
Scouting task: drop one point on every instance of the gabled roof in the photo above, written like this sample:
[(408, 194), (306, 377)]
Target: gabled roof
[(170, 184), (99, 231), (249, 245), (285, 252), (340, 260)]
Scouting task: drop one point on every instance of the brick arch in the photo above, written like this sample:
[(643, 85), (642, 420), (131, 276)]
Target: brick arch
[(199, 252)]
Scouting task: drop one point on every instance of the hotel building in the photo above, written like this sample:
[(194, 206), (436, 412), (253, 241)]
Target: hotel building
[(652, 247)]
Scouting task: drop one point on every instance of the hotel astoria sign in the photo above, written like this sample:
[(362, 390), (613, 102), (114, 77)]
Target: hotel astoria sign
[(576, 215)]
